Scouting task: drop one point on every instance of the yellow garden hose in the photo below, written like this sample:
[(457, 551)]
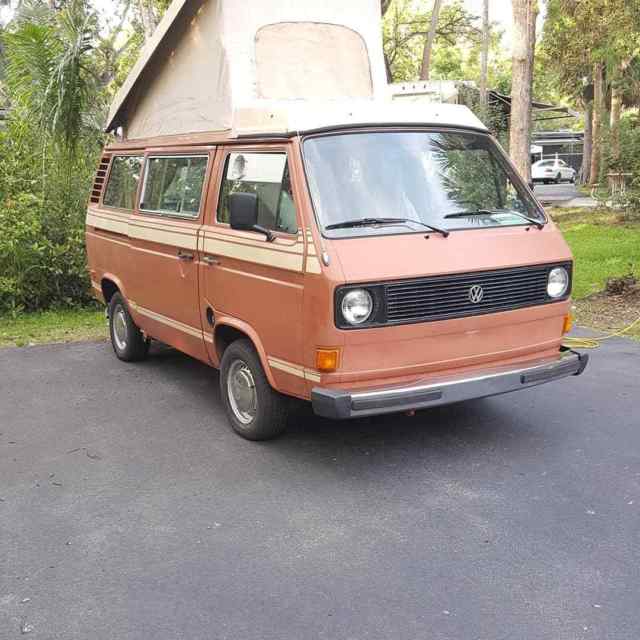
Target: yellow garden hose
[(594, 343)]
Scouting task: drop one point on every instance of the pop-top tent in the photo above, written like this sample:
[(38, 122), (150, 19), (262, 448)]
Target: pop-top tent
[(256, 66)]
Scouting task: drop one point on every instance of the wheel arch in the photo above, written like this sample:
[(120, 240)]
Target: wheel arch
[(111, 285), (228, 330)]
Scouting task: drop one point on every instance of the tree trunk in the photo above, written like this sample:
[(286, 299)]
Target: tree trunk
[(588, 142), (431, 36), (148, 17), (484, 58), (616, 110), (524, 19), (596, 130)]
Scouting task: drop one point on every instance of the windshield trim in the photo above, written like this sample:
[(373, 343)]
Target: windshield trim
[(501, 154)]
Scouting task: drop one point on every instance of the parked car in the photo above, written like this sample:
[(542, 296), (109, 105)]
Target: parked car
[(547, 171)]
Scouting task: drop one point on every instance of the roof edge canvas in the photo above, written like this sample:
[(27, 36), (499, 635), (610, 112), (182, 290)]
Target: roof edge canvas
[(146, 54)]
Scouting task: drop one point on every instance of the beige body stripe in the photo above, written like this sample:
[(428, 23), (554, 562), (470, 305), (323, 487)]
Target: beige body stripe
[(313, 265), (164, 237), (258, 255), (174, 324), (284, 248), (294, 369), (129, 246), (107, 223), (247, 274)]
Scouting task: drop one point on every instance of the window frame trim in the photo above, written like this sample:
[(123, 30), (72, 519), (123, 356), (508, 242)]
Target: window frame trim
[(136, 196), (229, 150), (168, 214)]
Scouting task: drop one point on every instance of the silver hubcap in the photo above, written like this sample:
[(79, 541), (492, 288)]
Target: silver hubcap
[(120, 328), (241, 389)]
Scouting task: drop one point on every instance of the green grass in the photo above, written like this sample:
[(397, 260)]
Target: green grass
[(52, 326), (602, 246)]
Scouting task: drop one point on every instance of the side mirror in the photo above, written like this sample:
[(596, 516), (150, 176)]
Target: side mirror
[(243, 214)]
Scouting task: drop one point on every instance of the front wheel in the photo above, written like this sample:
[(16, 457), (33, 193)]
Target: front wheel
[(256, 411), (127, 340)]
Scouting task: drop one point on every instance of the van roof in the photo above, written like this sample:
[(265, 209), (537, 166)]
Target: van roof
[(290, 118), (275, 68)]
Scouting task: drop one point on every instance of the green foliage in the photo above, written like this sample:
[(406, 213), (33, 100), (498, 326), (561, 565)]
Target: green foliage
[(47, 70), (456, 48), (41, 265), (49, 150)]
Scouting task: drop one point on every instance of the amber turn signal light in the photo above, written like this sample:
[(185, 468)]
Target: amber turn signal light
[(327, 360), (568, 323)]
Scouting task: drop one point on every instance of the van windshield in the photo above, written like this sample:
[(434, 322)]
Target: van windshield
[(450, 180)]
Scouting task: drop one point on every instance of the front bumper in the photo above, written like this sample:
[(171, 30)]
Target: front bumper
[(341, 403)]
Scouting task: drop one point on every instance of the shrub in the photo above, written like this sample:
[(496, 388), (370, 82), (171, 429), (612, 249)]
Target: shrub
[(40, 267)]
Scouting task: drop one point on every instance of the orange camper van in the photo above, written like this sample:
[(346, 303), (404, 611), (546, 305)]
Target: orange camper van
[(341, 248)]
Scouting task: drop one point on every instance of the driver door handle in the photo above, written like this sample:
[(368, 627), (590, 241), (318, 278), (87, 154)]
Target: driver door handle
[(185, 257)]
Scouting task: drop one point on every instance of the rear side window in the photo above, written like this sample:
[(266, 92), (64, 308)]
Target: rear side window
[(266, 175), (173, 185), (123, 182)]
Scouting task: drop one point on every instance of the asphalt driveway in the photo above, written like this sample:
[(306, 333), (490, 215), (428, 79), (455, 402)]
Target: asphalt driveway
[(556, 193), (129, 510)]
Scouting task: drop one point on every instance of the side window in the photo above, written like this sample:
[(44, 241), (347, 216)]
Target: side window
[(266, 175), (173, 185), (123, 182)]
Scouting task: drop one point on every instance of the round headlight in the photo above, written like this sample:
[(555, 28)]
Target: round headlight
[(357, 306), (558, 282)]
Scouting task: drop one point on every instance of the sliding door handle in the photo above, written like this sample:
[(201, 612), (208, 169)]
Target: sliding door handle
[(185, 257)]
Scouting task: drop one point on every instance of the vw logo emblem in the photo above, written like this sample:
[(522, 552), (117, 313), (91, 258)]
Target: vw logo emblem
[(476, 294)]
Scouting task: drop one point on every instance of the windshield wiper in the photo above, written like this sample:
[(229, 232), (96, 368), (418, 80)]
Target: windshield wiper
[(490, 212), (368, 222)]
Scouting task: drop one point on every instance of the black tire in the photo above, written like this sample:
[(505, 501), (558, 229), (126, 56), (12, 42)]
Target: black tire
[(271, 408), (132, 346), (558, 179)]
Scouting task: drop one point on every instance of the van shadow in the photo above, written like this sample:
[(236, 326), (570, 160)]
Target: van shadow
[(441, 432)]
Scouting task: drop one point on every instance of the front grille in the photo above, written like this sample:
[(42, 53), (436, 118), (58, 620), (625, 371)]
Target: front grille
[(444, 297)]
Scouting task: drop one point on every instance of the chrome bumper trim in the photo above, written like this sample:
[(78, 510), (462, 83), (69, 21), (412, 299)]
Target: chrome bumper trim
[(340, 403)]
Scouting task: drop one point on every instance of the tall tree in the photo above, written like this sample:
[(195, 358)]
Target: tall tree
[(431, 36), (596, 127), (148, 16), (405, 31), (587, 144), (48, 69), (484, 55), (524, 19), (590, 46)]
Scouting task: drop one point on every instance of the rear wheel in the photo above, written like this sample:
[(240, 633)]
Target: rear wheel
[(558, 178), (127, 340), (256, 411)]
